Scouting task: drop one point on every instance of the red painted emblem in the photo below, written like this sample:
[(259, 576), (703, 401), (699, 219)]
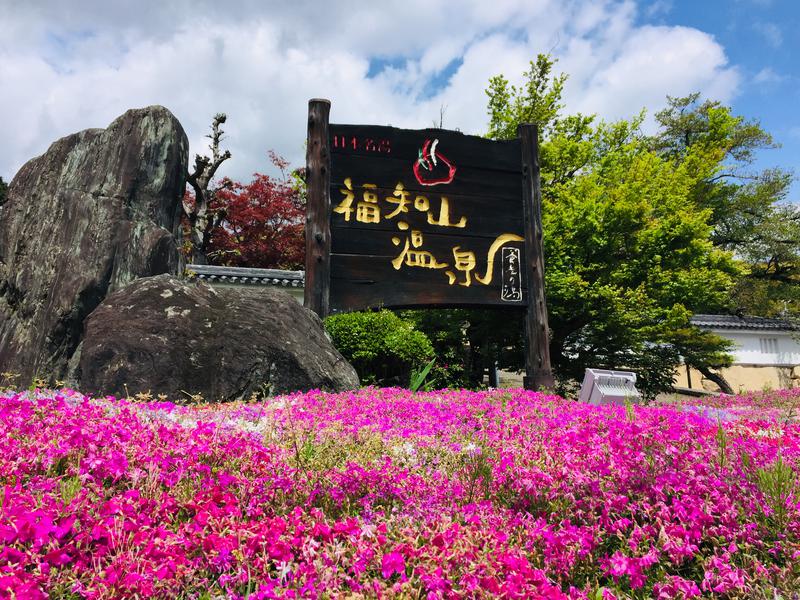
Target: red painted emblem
[(432, 167)]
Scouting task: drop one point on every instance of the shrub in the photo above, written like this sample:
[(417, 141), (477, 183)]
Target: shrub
[(447, 331), (381, 346)]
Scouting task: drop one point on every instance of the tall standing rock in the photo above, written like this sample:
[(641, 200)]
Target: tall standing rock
[(99, 209)]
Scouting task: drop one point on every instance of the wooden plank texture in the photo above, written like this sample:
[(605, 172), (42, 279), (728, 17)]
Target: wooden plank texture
[(424, 218), (391, 142), (362, 281), (482, 215), (380, 243), (538, 373), (318, 209), (387, 172)]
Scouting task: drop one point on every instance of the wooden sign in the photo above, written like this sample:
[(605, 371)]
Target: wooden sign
[(424, 217), (402, 218)]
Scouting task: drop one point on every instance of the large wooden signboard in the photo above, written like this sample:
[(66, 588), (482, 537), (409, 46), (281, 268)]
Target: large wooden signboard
[(424, 217), (402, 217)]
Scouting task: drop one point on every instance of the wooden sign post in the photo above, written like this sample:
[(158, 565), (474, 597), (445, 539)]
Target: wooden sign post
[(405, 218), (538, 373), (318, 209)]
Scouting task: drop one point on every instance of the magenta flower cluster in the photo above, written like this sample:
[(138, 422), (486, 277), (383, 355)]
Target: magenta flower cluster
[(386, 493)]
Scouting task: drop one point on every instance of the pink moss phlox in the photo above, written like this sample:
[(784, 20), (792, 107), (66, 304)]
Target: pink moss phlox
[(381, 492)]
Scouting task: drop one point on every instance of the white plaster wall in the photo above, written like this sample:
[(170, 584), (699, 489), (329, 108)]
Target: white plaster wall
[(748, 350)]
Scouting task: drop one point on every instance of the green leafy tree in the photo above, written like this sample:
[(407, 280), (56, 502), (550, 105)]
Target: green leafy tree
[(3, 191), (445, 331), (771, 258), (629, 252), (747, 210), (629, 258), (537, 101)]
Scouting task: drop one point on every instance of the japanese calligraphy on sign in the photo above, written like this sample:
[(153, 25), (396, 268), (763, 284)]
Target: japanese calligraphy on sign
[(422, 217)]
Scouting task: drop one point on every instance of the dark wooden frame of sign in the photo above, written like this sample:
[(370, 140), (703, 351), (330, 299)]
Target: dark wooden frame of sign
[(538, 373), (316, 295)]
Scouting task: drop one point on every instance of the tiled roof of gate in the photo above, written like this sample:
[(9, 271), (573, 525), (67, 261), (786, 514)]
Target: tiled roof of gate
[(246, 276), (743, 322)]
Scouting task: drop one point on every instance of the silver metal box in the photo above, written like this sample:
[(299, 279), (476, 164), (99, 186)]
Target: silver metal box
[(609, 387)]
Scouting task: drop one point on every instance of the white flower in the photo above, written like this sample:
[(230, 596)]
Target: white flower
[(770, 433), (472, 449)]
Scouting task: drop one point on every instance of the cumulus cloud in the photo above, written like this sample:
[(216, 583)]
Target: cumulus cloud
[(70, 66), (650, 63)]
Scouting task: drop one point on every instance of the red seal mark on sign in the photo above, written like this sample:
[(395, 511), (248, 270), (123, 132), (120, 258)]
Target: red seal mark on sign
[(431, 167)]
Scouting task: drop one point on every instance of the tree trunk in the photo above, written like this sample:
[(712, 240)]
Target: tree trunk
[(200, 222), (716, 378)]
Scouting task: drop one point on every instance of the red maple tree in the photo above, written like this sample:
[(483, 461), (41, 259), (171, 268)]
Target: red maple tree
[(259, 224)]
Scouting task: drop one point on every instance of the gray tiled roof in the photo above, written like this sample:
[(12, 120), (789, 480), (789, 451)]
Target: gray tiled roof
[(246, 276), (742, 322)]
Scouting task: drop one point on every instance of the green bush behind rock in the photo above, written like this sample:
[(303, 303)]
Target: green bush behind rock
[(382, 347)]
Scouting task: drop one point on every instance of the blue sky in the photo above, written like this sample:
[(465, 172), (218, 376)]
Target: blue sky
[(67, 66)]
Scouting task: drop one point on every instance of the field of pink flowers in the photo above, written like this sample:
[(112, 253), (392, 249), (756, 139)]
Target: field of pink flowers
[(385, 493)]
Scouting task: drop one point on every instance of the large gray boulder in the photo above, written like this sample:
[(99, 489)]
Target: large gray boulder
[(99, 209), (179, 338)]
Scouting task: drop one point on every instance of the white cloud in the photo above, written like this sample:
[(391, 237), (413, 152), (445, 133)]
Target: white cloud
[(70, 66), (768, 76), (771, 33), (652, 62), (658, 8)]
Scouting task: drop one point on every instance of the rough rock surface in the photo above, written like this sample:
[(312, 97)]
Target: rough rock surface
[(173, 337), (97, 210)]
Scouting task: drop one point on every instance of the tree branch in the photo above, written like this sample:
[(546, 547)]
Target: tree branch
[(716, 378), (204, 170)]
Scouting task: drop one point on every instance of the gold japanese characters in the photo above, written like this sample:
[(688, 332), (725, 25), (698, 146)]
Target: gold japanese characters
[(364, 205)]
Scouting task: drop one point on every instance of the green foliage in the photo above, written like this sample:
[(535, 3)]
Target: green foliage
[(537, 101), (418, 377), (467, 342), (70, 487), (445, 329), (771, 258), (382, 347), (3, 191), (475, 472), (721, 437), (628, 259), (747, 213), (768, 297), (629, 250), (777, 483), (688, 126), (630, 414)]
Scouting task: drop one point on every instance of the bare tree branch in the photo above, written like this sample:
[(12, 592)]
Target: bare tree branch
[(200, 221)]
